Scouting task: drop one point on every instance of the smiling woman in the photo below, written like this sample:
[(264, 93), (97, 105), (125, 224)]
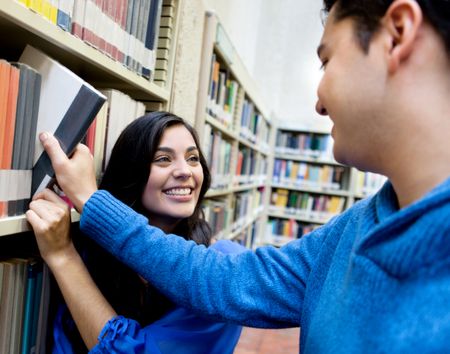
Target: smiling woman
[(157, 168), (154, 160)]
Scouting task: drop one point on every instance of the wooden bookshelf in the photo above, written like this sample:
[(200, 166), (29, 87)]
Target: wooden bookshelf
[(97, 68), (17, 224), (234, 126), (86, 61)]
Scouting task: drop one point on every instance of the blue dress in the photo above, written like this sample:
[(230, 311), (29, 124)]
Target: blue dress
[(178, 331)]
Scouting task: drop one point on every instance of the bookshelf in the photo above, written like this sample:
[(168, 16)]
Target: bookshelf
[(24, 281), (234, 128), (88, 62), (308, 186)]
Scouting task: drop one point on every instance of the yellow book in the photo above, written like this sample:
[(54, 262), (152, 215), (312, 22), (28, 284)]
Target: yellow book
[(282, 197), (45, 8), (294, 172), (25, 2), (53, 10), (36, 5)]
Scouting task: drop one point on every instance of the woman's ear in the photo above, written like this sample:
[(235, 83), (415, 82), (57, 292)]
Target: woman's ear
[(402, 21)]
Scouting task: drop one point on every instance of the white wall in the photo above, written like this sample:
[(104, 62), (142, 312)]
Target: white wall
[(277, 41)]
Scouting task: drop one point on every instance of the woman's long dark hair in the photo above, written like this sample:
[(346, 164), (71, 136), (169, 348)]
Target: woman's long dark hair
[(128, 169), (125, 177)]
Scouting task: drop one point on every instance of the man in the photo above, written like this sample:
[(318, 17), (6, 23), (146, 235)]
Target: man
[(375, 279)]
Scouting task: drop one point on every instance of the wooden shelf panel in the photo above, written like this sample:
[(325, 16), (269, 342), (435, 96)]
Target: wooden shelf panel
[(86, 61), (18, 224)]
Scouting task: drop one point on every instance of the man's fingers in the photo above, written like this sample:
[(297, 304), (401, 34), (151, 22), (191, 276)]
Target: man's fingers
[(53, 149)]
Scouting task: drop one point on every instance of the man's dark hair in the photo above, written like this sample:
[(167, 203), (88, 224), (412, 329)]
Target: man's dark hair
[(367, 15)]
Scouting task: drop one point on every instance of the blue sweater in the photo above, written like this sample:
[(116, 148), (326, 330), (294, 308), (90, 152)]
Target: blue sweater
[(375, 279)]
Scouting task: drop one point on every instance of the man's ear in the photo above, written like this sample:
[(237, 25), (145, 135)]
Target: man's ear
[(402, 20)]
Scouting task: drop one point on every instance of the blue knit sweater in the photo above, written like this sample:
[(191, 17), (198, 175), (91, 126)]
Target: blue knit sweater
[(375, 279)]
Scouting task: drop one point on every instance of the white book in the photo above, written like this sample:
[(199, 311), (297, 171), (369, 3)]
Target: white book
[(67, 107)]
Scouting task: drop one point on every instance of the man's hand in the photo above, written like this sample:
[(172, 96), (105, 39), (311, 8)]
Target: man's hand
[(75, 176)]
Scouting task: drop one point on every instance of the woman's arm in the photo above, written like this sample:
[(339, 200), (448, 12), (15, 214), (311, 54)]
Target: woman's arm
[(50, 218)]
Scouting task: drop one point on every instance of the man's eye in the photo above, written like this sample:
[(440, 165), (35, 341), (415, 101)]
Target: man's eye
[(323, 65)]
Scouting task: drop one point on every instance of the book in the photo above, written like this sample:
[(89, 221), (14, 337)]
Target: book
[(6, 305), (19, 298), (32, 287), (24, 132), (67, 107), (151, 37)]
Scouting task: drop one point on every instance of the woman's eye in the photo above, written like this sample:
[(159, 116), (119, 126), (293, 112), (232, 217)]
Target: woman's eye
[(161, 159), (194, 158)]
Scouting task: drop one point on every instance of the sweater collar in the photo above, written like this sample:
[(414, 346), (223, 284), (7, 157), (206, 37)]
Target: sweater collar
[(414, 238)]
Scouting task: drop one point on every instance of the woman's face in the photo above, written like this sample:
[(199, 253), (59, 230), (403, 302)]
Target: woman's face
[(175, 179)]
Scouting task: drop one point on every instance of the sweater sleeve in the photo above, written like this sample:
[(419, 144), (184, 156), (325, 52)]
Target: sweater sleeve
[(121, 335), (264, 288)]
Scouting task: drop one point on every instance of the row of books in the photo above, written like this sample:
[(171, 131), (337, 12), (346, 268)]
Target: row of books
[(222, 93), (117, 112), (245, 206), (246, 162), (309, 205), (38, 94), (217, 215), (125, 30), (217, 152), (24, 298), (252, 125), (310, 175), (304, 144), (288, 228), (368, 183), (248, 237), (250, 167)]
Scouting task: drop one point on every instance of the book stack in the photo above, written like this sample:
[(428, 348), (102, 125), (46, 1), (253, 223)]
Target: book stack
[(305, 144), (117, 112), (125, 30), (309, 175), (24, 297), (217, 152), (20, 87), (253, 126), (368, 183), (40, 95), (222, 93), (309, 206), (281, 231), (216, 214)]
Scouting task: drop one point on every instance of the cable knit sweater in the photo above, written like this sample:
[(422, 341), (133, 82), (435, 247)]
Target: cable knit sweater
[(375, 279)]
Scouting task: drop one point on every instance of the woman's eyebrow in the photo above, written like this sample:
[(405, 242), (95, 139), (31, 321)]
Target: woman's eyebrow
[(165, 149), (191, 148), (170, 150)]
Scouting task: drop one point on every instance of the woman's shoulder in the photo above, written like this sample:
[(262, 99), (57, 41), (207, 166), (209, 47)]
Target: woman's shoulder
[(228, 246)]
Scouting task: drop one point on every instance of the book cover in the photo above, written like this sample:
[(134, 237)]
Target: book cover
[(67, 107)]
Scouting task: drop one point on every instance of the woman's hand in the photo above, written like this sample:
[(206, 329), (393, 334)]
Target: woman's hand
[(49, 216), (75, 175)]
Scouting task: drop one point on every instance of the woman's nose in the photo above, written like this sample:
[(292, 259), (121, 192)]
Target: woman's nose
[(182, 170)]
